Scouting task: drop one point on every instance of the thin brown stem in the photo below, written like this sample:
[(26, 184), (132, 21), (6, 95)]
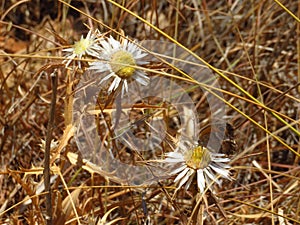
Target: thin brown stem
[(48, 148)]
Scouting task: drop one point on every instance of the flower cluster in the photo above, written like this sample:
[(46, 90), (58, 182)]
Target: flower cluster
[(118, 60), (193, 159)]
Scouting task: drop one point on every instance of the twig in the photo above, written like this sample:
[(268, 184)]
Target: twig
[(47, 149)]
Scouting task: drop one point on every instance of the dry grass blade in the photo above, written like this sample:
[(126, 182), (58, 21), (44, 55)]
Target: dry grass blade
[(233, 77)]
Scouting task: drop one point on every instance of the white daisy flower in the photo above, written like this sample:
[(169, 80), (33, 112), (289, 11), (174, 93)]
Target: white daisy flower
[(120, 61), (85, 46), (197, 160)]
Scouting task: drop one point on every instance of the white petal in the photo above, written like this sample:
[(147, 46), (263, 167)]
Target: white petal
[(125, 85), (200, 180), (125, 44), (131, 47), (68, 62), (106, 46), (93, 53), (175, 155), (190, 180), (141, 78), (114, 43), (218, 155), (172, 160), (114, 84), (221, 160), (89, 35), (210, 175), (68, 50), (138, 56), (222, 165), (118, 81), (178, 170), (184, 178), (182, 174), (99, 66), (106, 77), (222, 172)]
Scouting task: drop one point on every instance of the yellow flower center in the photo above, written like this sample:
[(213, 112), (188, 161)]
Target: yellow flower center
[(121, 64), (81, 46), (198, 158)]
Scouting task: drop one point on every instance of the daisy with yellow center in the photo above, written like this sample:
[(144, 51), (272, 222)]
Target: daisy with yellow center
[(85, 46), (120, 60), (197, 160)]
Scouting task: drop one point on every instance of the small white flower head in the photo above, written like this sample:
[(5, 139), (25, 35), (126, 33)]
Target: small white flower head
[(120, 61), (197, 160), (85, 46)]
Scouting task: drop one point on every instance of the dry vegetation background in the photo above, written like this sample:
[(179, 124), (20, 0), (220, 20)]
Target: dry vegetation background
[(254, 43)]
